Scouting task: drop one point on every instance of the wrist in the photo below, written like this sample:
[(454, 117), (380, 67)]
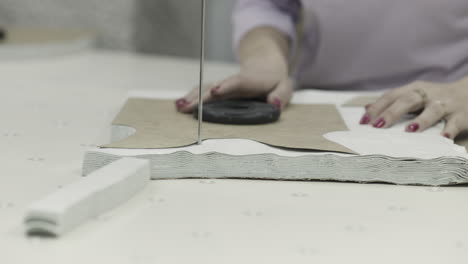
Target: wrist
[(271, 65), (265, 49)]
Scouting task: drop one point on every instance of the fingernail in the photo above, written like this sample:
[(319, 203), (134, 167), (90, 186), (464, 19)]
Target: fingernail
[(412, 127), (447, 135), (365, 119), (277, 103), (215, 90), (379, 123), (181, 103)]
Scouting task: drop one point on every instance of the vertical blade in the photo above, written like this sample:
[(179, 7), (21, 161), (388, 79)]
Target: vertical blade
[(202, 65)]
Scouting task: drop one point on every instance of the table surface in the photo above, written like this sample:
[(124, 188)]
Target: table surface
[(53, 109)]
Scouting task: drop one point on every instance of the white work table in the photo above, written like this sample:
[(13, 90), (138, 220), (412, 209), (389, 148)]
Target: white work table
[(53, 109)]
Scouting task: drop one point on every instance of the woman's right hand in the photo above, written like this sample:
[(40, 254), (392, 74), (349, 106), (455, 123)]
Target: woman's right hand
[(264, 53), (250, 82)]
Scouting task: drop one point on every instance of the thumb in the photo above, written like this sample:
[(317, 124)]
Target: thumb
[(282, 94)]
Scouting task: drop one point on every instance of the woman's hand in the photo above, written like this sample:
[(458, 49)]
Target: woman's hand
[(263, 53), (436, 102), (251, 82)]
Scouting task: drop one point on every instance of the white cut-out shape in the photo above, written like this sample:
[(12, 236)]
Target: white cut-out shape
[(397, 144), (119, 133), (299, 195), (201, 234)]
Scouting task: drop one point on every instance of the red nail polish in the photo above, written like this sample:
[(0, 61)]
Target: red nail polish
[(447, 135), (379, 123), (365, 119), (181, 103), (412, 127), (277, 103)]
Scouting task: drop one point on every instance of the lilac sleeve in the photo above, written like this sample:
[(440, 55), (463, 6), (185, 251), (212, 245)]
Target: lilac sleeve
[(249, 14)]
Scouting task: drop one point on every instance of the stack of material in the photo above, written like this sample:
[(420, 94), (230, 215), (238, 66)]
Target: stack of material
[(310, 148), (328, 167)]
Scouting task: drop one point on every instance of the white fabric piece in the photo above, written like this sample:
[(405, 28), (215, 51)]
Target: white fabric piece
[(101, 191), (397, 144)]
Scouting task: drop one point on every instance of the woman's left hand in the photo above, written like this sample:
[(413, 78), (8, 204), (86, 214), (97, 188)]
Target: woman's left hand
[(447, 102)]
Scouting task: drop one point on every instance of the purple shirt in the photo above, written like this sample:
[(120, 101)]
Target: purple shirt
[(367, 44)]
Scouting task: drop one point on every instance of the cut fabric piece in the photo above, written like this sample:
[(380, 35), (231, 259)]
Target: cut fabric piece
[(398, 144), (362, 101), (158, 125)]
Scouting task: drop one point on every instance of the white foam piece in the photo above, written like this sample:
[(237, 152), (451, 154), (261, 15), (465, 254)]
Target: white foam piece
[(104, 189)]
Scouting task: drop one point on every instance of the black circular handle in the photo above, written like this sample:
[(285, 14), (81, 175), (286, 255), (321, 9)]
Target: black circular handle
[(239, 112)]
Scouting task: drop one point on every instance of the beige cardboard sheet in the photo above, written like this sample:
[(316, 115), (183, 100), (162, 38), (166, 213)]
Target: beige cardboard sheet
[(25, 36), (159, 125)]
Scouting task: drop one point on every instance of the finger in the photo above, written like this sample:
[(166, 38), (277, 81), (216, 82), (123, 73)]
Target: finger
[(432, 113), (190, 101), (454, 126), (404, 104), (189, 108), (239, 86), (229, 88), (282, 94), (375, 109), (186, 99)]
